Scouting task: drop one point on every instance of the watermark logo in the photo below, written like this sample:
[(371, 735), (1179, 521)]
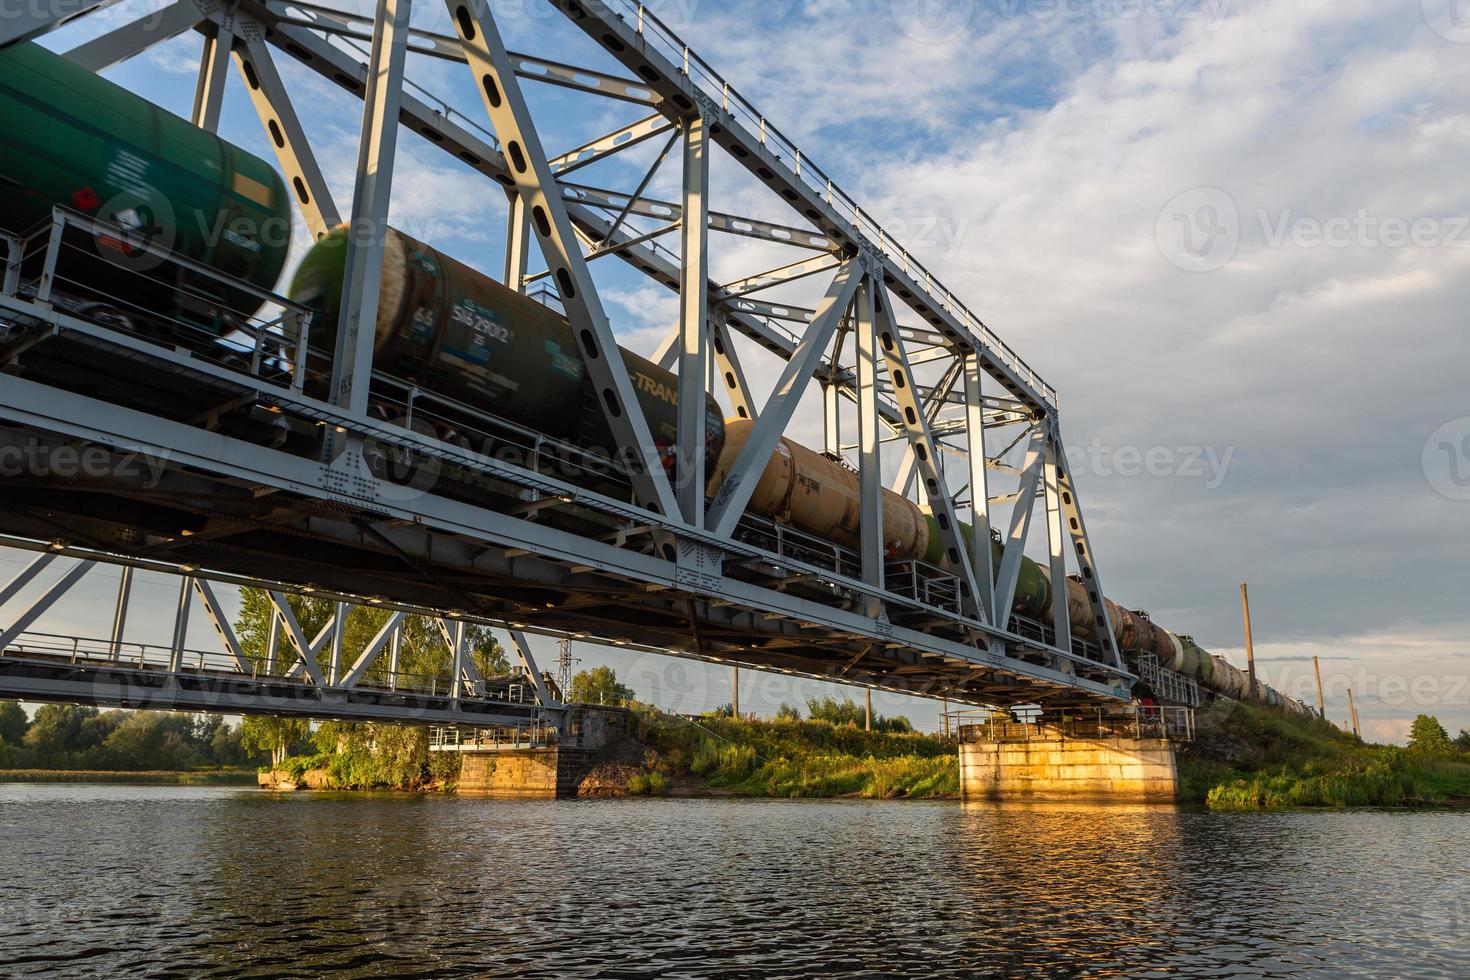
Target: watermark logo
[(1447, 459), (1199, 230), (933, 21), (1450, 19)]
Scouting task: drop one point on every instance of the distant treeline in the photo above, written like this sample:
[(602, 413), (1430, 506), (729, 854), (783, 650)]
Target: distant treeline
[(72, 737)]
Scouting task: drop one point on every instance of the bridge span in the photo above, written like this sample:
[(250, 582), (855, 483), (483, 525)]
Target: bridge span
[(244, 455)]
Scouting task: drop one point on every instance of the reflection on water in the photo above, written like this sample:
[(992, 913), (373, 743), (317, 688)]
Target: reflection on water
[(127, 880)]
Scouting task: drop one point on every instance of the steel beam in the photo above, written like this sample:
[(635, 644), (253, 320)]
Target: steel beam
[(385, 636), (730, 500), (727, 359), (1082, 551), (45, 601), (304, 650), (501, 94), (980, 555), (927, 456), (209, 91), (221, 623), (1010, 560), (615, 142), (120, 610), (132, 39), (181, 625), (283, 128), (693, 321), (26, 575), (1056, 550), (352, 362), (517, 243), (523, 650), (872, 548), (903, 480), (23, 21)]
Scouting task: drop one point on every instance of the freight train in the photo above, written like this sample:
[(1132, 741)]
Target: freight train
[(479, 349)]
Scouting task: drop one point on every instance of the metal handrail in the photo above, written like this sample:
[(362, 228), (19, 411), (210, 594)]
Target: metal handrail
[(295, 319)]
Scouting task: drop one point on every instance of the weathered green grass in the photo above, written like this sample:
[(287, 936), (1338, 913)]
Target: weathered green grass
[(1249, 756), (789, 758)]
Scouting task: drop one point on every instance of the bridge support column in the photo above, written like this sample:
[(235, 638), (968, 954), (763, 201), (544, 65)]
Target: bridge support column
[(1047, 764)]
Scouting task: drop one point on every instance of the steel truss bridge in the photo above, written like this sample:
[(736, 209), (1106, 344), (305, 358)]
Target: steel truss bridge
[(272, 465)]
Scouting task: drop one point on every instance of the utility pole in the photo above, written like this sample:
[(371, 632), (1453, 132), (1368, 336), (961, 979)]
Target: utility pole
[(1321, 704), (1353, 710), (1250, 650), (868, 708), (735, 686)]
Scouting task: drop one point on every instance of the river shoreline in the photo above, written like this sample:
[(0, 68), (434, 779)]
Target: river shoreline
[(220, 777)]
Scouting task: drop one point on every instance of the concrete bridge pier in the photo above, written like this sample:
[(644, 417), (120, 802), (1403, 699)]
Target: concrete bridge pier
[(1121, 759)]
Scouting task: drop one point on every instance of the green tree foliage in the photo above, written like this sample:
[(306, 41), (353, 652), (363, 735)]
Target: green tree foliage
[(72, 737), (276, 737), (13, 722), (600, 685), (1428, 735), (424, 659), (847, 712), (787, 713), (1462, 740)]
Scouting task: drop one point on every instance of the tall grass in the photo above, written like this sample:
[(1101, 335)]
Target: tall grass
[(792, 758), (1248, 756)]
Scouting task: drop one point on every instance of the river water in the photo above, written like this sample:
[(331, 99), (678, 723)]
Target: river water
[(122, 881)]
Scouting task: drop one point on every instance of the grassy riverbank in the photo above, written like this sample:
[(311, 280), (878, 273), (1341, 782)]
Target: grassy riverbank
[(1250, 756), (794, 758), (213, 777)]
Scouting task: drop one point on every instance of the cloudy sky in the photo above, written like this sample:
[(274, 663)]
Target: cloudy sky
[(1232, 234)]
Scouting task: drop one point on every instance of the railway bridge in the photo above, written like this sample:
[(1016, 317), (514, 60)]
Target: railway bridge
[(229, 450)]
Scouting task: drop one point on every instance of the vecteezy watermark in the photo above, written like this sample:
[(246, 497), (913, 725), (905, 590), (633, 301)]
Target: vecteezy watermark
[(1450, 19), (1201, 230), (1207, 463), (65, 461), (1447, 459)]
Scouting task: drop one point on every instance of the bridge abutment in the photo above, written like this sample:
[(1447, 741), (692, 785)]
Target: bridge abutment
[(1062, 763)]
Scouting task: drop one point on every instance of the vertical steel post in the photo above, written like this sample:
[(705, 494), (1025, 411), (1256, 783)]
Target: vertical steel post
[(868, 709), (693, 322), (394, 649), (352, 361), (981, 558), (1056, 536), (1250, 649), (214, 68), (735, 687), (517, 242), (456, 688), (870, 462), (339, 635), (120, 611), (272, 642), (181, 624), (1353, 713), (1321, 702)]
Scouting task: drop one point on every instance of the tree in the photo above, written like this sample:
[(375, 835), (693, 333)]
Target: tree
[(274, 735), (1462, 740), (599, 686), (1428, 735), (787, 713), (13, 722)]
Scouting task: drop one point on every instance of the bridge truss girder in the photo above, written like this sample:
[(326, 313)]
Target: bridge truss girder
[(670, 578)]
